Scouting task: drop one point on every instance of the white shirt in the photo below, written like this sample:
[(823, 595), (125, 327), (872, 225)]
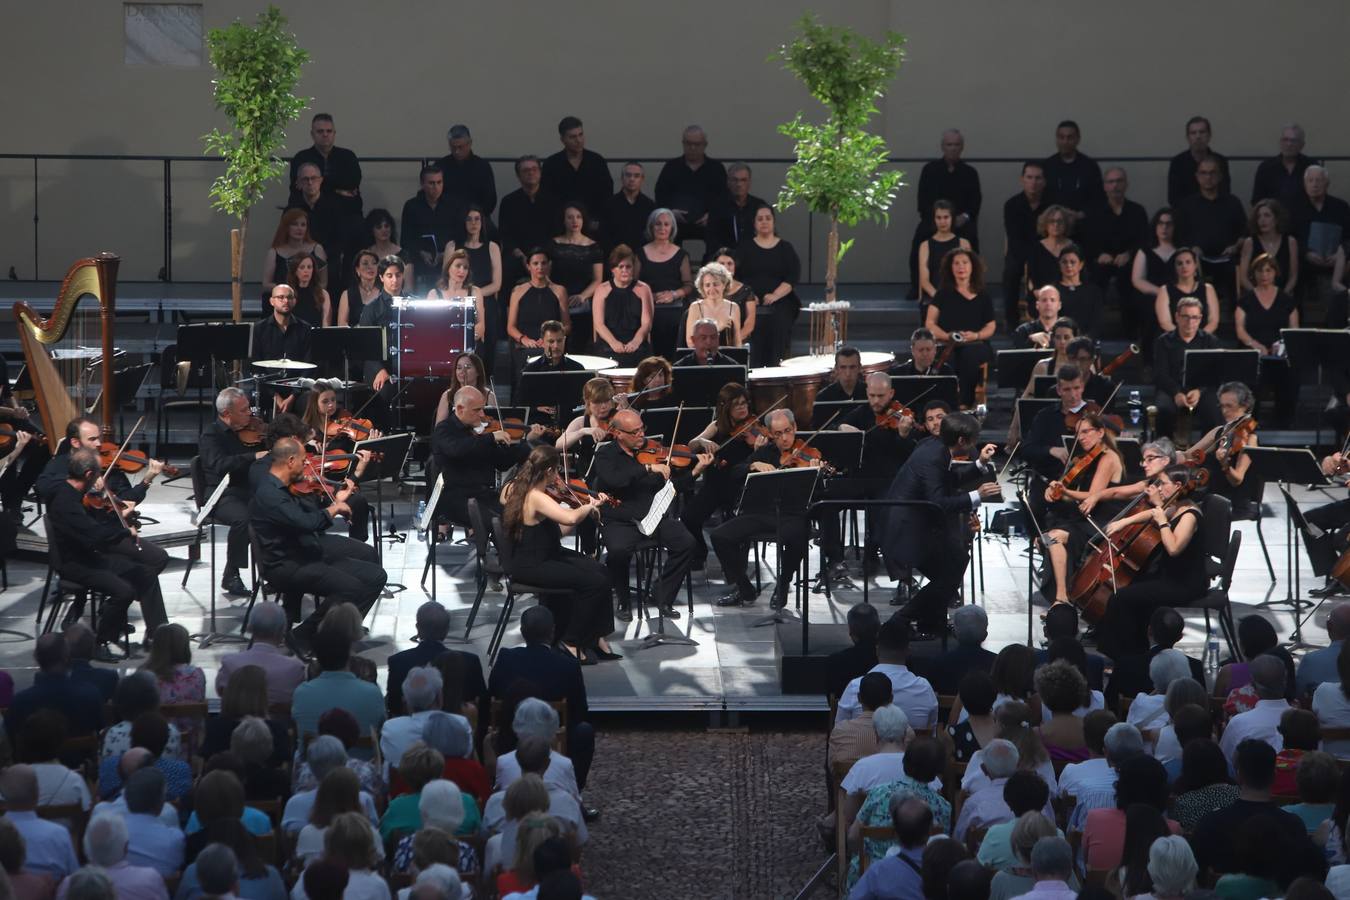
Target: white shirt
[(1096, 700), (983, 807), (398, 734), (1147, 712), (59, 786), (309, 845), (362, 884), (974, 779), (1338, 882), (1261, 722), (296, 814), (1092, 784), (168, 813), (1333, 710), (878, 769), (151, 843), (1168, 747), (559, 773), (911, 693), (50, 851)]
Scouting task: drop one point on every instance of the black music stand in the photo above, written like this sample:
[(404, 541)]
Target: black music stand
[(699, 385), (1043, 386), (1288, 466), (213, 343), (826, 410), (1029, 407), (929, 387), (1207, 369), (740, 354), (778, 493), (1325, 348), (1014, 366), (661, 420), (394, 449), (330, 346), (560, 390), (841, 449)]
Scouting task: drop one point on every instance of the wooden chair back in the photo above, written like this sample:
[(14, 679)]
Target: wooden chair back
[(838, 770), (873, 833), (267, 845)]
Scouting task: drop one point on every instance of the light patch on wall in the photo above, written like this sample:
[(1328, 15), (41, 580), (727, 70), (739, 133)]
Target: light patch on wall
[(162, 34)]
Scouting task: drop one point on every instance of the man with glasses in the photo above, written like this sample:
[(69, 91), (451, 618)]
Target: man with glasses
[(530, 217), (626, 213), (1169, 357), (1281, 176), (469, 458), (339, 168), (617, 472), (1228, 471), (692, 184)]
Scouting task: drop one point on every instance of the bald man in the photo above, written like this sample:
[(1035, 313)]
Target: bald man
[(617, 472), (468, 459)]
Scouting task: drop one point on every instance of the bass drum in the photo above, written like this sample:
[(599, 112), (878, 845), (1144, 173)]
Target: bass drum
[(431, 333)]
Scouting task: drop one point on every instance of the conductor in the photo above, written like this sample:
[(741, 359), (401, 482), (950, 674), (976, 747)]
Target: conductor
[(932, 538)]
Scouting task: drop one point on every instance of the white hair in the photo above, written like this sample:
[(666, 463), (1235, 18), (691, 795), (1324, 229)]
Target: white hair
[(970, 622), (1172, 866), (449, 735), (441, 805), (1167, 667), (251, 740), (999, 758), (1122, 740), (1316, 169), (441, 877), (325, 754), (535, 718), (422, 688), (890, 723), (227, 398), (267, 621), (105, 840), (656, 214)]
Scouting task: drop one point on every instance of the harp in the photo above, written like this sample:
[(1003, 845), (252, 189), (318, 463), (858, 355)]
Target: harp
[(60, 377)]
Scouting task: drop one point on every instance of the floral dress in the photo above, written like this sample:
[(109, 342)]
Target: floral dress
[(876, 811)]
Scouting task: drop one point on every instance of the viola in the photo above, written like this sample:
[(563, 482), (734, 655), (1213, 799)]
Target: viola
[(130, 461), (802, 455), (891, 416), (1056, 490), (653, 452), (344, 424), (8, 435), (1234, 439), (1130, 353)]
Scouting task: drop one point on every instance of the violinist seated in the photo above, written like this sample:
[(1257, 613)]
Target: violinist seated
[(282, 335), (651, 385), (101, 552), (18, 477), (1332, 520), (705, 340), (1042, 447), (731, 437), (619, 473), (922, 357), (225, 455), (846, 381), (297, 555), (9, 530), (1221, 450), (469, 457), (1169, 357), (1096, 465), (1038, 332), (732, 539), (1171, 555), (588, 430), (1157, 456), (339, 474)]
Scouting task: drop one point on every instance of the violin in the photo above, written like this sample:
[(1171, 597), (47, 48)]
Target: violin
[(575, 492), (8, 435), (344, 424), (891, 416), (1234, 438), (129, 461), (1091, 408), (251, 435), (748, 431), (515, 429), (1056, 490), (1130, 353), (653, 452), (803, 455)]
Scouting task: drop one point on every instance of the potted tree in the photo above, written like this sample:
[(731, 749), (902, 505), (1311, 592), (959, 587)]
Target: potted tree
[(838, 172), (257, 69)]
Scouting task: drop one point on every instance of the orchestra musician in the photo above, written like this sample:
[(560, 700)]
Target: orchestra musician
[(1095, 465), (731, 540), (281, 335), (731, 426), (224, 456), (9, 529), (84, 433), (1062, 332), (469, 458), (1223, 445), (584, 433), (321, 431), (380, 313), (618, 473), (846, 382), (705, 342), (1333, 521), (298, 557), (934, 411), (935, 543), (536, 520), (552, 358), (1175, 575), (1157, 456), (621, 311), (103, 553), (1038, 332), (922, 357), (1169, 357), (651, 384), (466, 370), (1042, 448)]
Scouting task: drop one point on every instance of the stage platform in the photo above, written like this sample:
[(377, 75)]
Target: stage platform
[(734, 669)]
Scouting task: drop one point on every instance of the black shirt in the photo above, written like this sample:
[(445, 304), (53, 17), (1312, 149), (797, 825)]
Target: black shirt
[(1045, 432), (527, 222), (1264, 324), (1019, 224), (1215, 839), (1076, 184), (287, 528), (471, 181), (1021, 336), (1169, 357), (57, 470), (1181, 181), (1211, 225), (696, 191), (834, 391), (959, 313), (1334, 211), (469, 461), (590, 182), (379, 313), (729, 224), (541, 364), (341, 170), (1106, 231), (959, 186), (884, 450), (907, 368), (270, 342), (75, 531), (1082, 303), (717, 359), (625, 222), (618, 474), (427, 229), (224, 456), (1273, 180), (764, 270)]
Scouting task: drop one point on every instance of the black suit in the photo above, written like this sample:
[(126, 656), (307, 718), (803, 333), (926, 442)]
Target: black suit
[(1130, 675), (929, 539), (842, 666), (472, 689), (946, 671), (555, 676)]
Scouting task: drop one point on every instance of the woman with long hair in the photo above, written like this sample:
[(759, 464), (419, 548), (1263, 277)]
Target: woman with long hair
[(456, 282), (1268, 235), (311, 300), (291, 240), (718, 488), (1189, 281), (535, 520), (171, 663), (485, 262), (962, 312), (364, 288), (1151, 272), (466, 370), (1095, 465), (323, 434)]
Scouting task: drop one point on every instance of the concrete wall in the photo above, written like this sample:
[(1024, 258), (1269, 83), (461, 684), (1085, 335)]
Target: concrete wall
[(636, 73)]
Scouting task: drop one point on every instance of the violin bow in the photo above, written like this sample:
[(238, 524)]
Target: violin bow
[(893, 413), (122, 449), (737, 432)]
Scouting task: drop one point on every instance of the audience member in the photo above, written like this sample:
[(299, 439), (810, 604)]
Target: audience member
[(924, 762), (325, 754), (860, 657), (1130, 675), (82, 646), (1063, 691), (886, 764), (1300, 732), (153, 843), (1331, 699), (133, 761), (89, 883), (433, 626), (1323, 664), (1141, 780), (912, 694), (338, 793), (855, 738), (1317, 784), (267, 624), (976, 694), (1147, 711), (1092, 782), (1144, 825), (1017, 880), (450, 736), (105, 846), (54, 688), (1052, 867), (422, 690), (150, 731), (245, 695), (1262, 722), (1181, 693), (49, 847), (1181, 172), (335, 687), (22, 883), (985, 806), (350, 839), (1171, 868), (1014, 724), (40, 747), (343, 725), (970, 627), (899, 876), (1024, 793)]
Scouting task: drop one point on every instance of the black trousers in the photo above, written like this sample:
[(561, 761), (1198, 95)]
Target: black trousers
[(1123, 629), (1334, 519), (830, 521), (622, 537), (967, 359), (732, 539), (119, 573), (359, 522), (945, 570), (454, 504), (154, 559), (581, 750), (1206, 414), (346, 573), (1283, 380), (717, 491), (232, 510), (589, 615)]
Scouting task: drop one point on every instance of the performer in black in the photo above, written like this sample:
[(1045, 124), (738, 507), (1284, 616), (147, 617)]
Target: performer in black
[(468, 458), (224, 456), (731, 426), (922, 357)]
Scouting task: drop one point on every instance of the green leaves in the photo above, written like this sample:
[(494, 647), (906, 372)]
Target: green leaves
[(257, 70), (844, 71)]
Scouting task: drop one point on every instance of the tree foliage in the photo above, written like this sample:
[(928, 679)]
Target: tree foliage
[(838, 172)]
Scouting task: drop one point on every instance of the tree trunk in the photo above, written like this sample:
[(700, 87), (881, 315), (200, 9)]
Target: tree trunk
[(831, 259), (237, 236)]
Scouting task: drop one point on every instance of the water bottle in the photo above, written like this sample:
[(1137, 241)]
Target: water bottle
[(1212, 655), (417, 523), (1136, 408)]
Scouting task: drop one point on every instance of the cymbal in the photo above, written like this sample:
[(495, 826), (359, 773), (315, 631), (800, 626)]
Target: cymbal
[(292, 365)]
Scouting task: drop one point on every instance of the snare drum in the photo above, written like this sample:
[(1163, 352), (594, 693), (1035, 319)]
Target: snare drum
[(431, 333)]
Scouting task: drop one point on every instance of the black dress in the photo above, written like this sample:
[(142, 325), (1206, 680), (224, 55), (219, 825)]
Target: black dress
[(282, 268), (1064, 515), (1043, 266), (764, 270), (623, 318), (535, 307), (573, 265), (1175, 295), (959, 313), (666, 317), (541, 559), (1084, 304), (936, 250), (480, 274), (1276, 372), (1281, 259)]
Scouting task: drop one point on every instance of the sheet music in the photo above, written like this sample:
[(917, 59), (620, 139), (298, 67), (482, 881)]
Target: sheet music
[(211, 501), (429, 517), (660, 503)]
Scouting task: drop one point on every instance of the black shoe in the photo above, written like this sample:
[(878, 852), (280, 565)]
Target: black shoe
[(903, 592), (736, 598), (839, 578), (605, 656), (1330, 589), (778, 600), (233, 584), (670, 612), (623, 612), (590, 813)]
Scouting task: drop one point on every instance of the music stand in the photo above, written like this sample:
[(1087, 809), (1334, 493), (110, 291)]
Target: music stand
[(1207, 369), (1030, 407), (661, 420), (1043, 386), (1288, 466), (1325, 348), (699, 385), (213, 635), (826, 410), (560, 390), (740, 354), (841, 449), (393, 450), (214, 343), (938, 387), (778, 493), (360, 343), (1013, 367)]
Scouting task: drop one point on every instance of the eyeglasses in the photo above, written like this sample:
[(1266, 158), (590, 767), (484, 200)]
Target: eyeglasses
[(1154, 457), (783, 433), (641, 429)]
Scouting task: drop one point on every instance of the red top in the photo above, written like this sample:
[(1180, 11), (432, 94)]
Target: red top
[(467, 774)]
